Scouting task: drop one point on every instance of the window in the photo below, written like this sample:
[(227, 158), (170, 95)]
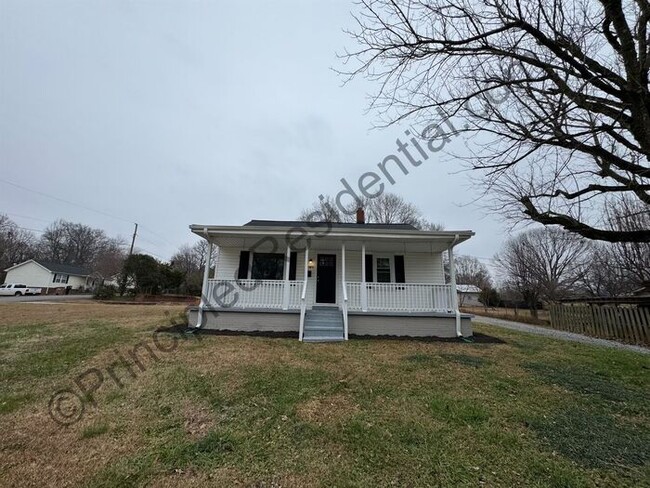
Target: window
[(383, 270), (60, 278), (267, 266)]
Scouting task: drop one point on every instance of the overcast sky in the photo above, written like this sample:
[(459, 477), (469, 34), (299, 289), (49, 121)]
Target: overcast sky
[(172, 113)]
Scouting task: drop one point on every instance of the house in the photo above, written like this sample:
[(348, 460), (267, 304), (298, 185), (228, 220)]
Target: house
[(468, 295), (644, 291), (325, 281), (51, 277)]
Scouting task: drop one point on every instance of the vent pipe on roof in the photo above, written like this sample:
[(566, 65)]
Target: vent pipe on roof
[(361, 216)]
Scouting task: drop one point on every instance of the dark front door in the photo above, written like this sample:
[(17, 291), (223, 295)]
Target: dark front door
[(326, 278)]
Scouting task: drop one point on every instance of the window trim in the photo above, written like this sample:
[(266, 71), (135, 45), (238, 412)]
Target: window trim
[(250, 266), (60, 276), (391, 265)]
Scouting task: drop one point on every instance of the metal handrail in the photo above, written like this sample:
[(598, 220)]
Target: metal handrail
[(303, 309), (344, 306)]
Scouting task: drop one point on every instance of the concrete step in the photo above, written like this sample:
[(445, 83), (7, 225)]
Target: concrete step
[(323, 324), (323, 339), (323, 321), (334, 316), (315, 328)]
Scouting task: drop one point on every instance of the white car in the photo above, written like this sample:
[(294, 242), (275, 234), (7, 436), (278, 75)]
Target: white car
[(18, 289)]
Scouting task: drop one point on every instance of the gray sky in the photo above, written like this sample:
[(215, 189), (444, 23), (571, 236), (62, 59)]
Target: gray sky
[(172, 113)]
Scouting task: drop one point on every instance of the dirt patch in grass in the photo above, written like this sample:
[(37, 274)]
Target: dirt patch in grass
[(329, 409), (198, 420)]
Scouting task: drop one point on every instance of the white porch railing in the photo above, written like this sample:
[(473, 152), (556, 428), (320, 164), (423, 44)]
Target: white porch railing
[(401, 297), (252, 294)]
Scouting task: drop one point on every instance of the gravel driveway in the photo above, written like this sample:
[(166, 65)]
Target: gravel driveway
[(558, 334)]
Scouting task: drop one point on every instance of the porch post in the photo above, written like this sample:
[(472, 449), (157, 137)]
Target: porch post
[(287, 261), (452, 282), (217, 252), (306, 270), (343, 267), (364, 290), (204, 287)]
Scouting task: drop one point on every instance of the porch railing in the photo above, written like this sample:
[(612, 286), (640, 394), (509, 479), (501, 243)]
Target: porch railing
[(401, 297), (252, 294)]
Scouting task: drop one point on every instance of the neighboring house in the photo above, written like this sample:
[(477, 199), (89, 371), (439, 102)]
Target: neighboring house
[(468, 295), (50, 276), (644, 291), (325, 281)]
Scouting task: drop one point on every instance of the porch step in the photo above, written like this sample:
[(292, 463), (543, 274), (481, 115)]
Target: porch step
[(323, 324)]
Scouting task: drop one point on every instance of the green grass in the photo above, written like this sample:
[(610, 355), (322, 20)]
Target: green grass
[(225, 411), (94, 430)]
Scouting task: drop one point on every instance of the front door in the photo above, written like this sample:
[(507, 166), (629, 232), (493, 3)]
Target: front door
[(326, 279)]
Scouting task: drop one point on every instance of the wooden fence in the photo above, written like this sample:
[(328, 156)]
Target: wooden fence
[(623, 323)]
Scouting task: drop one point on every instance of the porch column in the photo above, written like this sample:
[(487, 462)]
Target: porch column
[(306, 270), (217, 252), (204, 287), (452, 283), (287, 261), (364, 290), (343, 267)]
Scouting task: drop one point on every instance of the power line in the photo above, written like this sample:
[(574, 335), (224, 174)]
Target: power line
[(85, 207), (26, 217), (63, 200)]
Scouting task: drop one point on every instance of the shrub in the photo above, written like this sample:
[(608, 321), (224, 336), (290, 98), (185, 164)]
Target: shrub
[(105, 292)]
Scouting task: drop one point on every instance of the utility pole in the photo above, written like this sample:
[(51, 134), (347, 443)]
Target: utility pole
[(135, 233), (124, 277)]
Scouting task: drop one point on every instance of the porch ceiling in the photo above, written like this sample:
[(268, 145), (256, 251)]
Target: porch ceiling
[(265, 239)]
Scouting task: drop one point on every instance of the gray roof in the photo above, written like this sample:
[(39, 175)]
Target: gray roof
[(71, 269), (334, 225)]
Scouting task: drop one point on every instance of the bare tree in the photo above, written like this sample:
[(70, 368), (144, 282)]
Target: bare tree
[(560, 88), (68, 242), (628, 215), (471, 271), (110, 257), (604, 277), (190, 261), (386, 208), (16, 244), (618, 268), (325, 210), (545, 263)]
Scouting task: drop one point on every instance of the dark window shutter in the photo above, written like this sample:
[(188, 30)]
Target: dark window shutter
[(400, 277), (369, 268), (293, 260), (244, 257)]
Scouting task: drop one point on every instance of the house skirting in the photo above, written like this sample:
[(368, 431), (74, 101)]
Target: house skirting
[(424, 324)]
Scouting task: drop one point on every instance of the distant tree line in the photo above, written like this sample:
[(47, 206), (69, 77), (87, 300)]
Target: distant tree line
[(387, 208), (62, 242)]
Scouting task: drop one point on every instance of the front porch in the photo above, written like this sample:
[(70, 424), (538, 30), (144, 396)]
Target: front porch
[(325, 284)]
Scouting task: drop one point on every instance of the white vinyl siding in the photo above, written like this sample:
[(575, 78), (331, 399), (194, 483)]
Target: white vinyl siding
[(418, 268), (36, 276), (31, 274), (424, 268)]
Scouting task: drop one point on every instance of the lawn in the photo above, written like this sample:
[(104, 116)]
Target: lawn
[(518, 410)]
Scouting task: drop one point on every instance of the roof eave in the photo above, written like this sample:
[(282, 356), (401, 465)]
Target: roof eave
[(207, 230)]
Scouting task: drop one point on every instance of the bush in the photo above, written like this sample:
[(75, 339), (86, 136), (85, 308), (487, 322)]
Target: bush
[(105, 292)]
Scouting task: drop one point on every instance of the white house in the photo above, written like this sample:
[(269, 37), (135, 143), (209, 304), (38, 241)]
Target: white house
[(325, 281), (46, 275), (468, 295)]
